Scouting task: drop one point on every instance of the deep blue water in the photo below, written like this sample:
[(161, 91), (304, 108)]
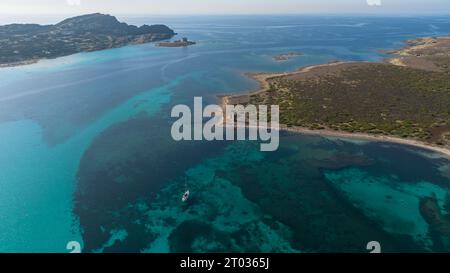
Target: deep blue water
[(86, 152)]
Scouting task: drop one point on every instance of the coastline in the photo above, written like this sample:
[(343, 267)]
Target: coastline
[(21, 63), (263, 81), (263, 78), (38, 60), (368, 137)]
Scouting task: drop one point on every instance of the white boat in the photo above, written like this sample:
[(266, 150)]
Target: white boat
[(185, 196)]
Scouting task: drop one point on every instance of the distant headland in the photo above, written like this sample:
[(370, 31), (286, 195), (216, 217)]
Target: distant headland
[(27, 43)]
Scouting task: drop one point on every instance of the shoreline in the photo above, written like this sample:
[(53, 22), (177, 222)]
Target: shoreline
[(38, 60), (263, 80), (368, 137), (263, 77)]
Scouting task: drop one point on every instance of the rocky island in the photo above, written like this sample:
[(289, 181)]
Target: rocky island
[(184, 42), (286, 56), (27, 43), (405, 99)]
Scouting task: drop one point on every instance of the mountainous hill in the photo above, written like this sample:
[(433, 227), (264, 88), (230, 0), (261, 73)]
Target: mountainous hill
[(27, 43)]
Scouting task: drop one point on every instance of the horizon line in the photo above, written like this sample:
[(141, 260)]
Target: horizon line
[(34, 18), (428, 13)]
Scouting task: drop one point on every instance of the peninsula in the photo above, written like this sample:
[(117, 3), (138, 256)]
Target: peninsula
[(27, 43), (405, 99)]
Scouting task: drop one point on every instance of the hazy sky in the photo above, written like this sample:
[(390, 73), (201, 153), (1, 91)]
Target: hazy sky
[(141, 7)]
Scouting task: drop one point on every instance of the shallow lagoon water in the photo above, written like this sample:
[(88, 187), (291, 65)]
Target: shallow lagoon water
[(86, 152)]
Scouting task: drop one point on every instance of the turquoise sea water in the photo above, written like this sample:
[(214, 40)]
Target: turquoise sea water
[(86, 152)]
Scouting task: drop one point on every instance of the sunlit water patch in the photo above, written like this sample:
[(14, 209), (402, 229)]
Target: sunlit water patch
[(37, 207)]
